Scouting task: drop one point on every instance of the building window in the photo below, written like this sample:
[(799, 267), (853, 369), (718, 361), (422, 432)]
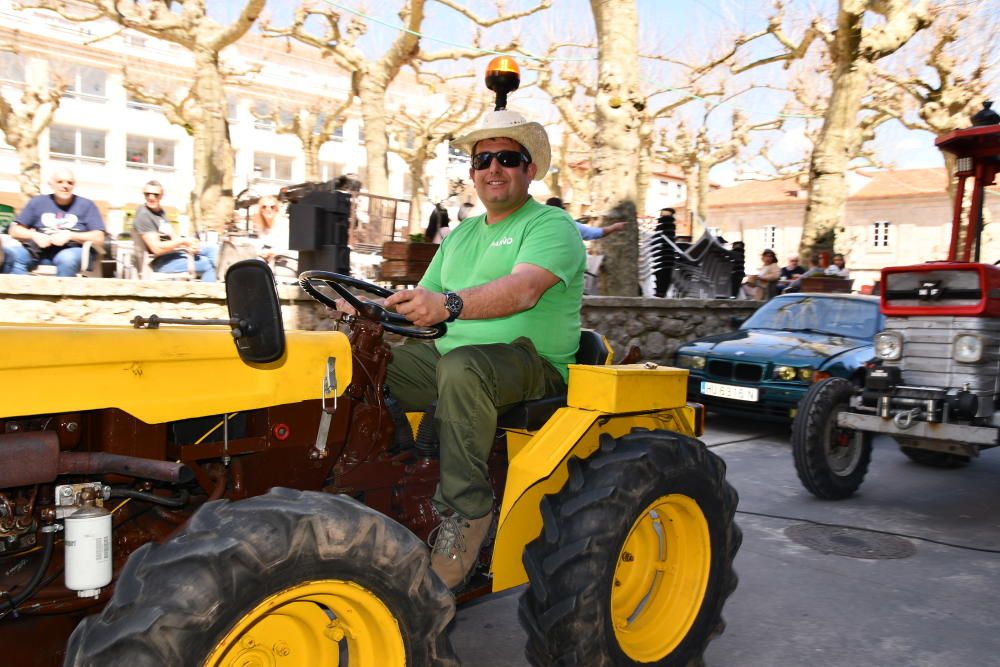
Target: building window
[(11, 67), (770, 236), (262, 108), (135, 103), (330, 170), (76, 142), (87, 83), (273, 167), (338, 133), (880, 234), (232, 111), (149, 152), (135, 40)]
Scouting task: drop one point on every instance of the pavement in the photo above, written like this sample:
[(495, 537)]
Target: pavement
[(934, 603)]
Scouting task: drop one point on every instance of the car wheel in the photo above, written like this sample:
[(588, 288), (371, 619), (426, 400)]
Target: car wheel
[(289, 577), (635, 559), (831, 462)]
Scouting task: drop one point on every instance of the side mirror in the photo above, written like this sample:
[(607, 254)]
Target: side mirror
[(736, 320), (254, 309)]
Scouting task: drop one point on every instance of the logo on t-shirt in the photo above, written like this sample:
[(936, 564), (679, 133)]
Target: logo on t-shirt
[(56, 222), (507, 240)]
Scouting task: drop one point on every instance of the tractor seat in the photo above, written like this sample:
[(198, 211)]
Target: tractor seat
[(532, 415)]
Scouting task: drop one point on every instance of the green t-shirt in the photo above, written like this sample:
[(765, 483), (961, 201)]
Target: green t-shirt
[(475, 253)]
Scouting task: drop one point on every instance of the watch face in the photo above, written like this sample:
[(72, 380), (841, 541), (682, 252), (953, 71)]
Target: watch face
[(453, 303)]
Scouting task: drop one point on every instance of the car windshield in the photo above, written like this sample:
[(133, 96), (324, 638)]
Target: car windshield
[(832, 315)]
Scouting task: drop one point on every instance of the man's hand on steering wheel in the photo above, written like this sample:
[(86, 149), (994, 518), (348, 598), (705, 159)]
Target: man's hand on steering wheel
[(312, 281), (347, 309), (420, 306)]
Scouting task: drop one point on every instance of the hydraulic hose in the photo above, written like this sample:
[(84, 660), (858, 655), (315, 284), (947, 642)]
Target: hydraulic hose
[(180, 500), (12, 602)]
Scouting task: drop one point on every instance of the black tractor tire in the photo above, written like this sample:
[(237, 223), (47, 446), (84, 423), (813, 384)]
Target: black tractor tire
[(178, 602), (932, 459), (579, 563), (830, 463)]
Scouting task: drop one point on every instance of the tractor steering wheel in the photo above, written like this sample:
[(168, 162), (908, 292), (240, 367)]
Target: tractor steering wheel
[(309, 281)]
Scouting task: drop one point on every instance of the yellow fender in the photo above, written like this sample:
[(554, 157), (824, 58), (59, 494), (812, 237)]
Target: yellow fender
[(159, 375), (602, 399)]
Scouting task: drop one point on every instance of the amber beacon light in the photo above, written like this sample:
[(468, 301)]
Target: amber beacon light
[(502, 76)]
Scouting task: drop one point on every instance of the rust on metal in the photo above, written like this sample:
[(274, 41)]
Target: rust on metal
[(100, 463), (28, 457)]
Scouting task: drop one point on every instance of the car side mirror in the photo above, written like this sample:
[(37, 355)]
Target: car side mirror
[(255, 312), (736, 320)]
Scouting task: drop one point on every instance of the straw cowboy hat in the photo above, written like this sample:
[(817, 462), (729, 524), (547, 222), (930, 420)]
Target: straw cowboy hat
[(512, 125)]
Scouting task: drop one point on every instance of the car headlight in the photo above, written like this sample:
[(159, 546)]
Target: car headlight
[(785, 373), (690, 361), (790, 373), (967, 348), (888, 345)]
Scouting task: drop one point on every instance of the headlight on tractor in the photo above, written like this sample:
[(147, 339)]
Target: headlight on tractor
[(690, 361), (888, 345), (967, 348)]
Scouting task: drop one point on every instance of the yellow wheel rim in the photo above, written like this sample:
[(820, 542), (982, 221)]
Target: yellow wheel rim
[(660, 578), (314, 623)]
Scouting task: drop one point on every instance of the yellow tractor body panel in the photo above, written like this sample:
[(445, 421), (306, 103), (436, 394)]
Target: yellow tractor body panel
[(538, 466), (159, 375), (627, 388)]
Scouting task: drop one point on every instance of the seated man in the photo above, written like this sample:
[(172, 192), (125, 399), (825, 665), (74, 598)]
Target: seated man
[(814, 270), (170, 252), (510, 284), (53, 228), (792, 270)]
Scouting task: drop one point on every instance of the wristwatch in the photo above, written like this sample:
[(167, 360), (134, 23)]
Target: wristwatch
[(454, 304)]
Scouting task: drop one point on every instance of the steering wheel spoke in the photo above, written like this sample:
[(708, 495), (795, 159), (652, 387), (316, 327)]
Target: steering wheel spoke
[(310, 281)]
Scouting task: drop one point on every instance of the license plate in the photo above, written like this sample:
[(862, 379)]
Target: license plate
[(729, 391)]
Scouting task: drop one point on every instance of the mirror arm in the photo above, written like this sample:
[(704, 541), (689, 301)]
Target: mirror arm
[(240, 327)]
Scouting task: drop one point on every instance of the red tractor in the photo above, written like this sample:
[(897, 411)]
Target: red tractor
[(935, 382)]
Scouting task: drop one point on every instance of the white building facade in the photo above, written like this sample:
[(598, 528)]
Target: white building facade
[(115, 143)]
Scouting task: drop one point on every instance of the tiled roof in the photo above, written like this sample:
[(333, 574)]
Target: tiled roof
[(871, 185), (902, 182), (756, 192)]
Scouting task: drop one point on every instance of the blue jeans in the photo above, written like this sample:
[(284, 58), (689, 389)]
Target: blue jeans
[(18, 261), (176, 262)]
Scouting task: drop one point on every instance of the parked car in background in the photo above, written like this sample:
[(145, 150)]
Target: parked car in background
[(765, 367)]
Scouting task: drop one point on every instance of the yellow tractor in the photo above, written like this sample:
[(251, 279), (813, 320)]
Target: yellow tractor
[(197, 502)]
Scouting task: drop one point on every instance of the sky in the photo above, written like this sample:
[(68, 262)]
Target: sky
[(683, 29)]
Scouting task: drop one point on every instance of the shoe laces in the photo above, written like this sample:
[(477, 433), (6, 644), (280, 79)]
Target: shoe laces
[(447, 538)]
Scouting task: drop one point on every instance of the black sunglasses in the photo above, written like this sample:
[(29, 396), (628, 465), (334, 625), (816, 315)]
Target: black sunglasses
[(152, 194), (507, 159)]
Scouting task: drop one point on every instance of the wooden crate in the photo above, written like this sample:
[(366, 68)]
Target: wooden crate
[(827, 284), (404, 250)]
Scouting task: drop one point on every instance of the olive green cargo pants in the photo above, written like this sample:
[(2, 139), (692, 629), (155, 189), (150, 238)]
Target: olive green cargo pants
[(472, 386)]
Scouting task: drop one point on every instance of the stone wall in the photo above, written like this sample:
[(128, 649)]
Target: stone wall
[(656, 326)]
